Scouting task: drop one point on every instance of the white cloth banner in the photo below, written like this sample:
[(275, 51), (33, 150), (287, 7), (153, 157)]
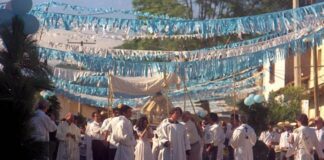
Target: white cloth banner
[(142, 85)]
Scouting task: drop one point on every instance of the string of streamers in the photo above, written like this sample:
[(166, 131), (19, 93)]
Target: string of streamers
[(283, 21)]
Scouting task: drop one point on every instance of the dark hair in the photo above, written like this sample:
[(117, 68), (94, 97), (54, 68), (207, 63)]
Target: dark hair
[(173, 110), (235, 116), (93, 113), (123, 108), (213, 117), (303, 119), (140, 123), (42, 104)]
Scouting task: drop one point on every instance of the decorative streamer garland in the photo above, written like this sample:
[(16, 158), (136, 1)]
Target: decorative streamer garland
[(98, 11), (150, 55), (283, 21), (217, 52), (99, 79), (195, 70), (84, 94)]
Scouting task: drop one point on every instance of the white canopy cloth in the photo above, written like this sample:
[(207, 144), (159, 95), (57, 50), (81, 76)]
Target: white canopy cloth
[(142, 85)]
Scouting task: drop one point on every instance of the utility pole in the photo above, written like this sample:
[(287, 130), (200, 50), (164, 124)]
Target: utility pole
[(314, 53), (297, 57), (80, 67)]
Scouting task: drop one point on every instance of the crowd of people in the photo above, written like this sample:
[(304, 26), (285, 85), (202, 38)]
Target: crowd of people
[(178, 137)]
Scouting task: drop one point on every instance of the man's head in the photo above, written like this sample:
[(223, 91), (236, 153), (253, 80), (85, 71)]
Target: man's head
[(96, 116), (186, 116), (302, 120), (69, 117), (213, 117), (43, 105), (318, 122), (125, 110), (235, 119), (175, 113), (243, 119)]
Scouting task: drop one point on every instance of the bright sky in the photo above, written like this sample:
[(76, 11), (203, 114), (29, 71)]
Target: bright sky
[(117, 4)]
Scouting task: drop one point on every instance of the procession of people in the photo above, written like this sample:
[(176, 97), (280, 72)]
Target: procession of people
[(178, 137)]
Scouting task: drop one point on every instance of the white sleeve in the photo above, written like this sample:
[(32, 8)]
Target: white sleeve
[(49, 124), (186, 140), (60, 133), (235, 138)]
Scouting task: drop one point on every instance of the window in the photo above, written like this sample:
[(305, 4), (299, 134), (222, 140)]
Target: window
[(272, 72)]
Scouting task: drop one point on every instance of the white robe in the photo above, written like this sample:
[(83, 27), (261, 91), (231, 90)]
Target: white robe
[(303, 142), (68, 147), (242, 140), (124, 136), (218, 139), (175, 134)]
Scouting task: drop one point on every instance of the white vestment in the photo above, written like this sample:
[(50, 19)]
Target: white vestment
[(68, 147), (218, 138), (124, 136), (303, 142), (143, 150), (243, 139), (175, 134)]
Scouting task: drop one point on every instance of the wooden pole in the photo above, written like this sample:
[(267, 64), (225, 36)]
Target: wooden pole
[(314, 52), (110, 95)]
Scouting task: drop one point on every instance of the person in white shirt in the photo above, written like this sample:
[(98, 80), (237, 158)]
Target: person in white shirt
[(304, 140), (42, 125), (207, 137), (124, 135), (106, 130), (173, 137), (69, 136), (284, 144), (242, 140), (271, 138), (234, 122), (319, 130), (93, 130), (217, 138), (193, 136)]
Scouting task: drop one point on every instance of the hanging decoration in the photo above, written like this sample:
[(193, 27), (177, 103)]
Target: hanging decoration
[(283, 21)]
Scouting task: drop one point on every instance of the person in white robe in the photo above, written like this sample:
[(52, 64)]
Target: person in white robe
[(207, 137), (284, 144), (106, 130), (304, 140), (242, 140), (193, 136), (143, 150), (234, 123), (173, 137), (319, 130), (157, 146), (271, 138), (124, 135), (97, 144), (217, 139), (69, 136)]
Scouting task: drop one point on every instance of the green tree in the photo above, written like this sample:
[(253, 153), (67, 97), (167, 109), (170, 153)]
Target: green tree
[(285, 104), (21, 77)]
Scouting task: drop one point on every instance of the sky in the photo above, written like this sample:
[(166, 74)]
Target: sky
[(117, 4)]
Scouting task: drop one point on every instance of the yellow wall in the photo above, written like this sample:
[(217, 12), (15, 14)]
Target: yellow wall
[(312, 112), (320, 50), (68, 105)]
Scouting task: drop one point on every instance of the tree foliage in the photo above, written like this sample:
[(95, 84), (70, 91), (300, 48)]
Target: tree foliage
[(21, 77), (285, 104)]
